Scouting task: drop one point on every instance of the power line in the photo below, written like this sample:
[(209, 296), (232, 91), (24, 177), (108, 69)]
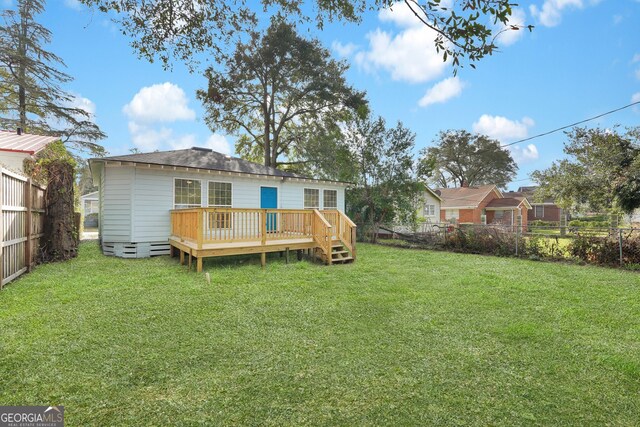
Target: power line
[(569, 126)]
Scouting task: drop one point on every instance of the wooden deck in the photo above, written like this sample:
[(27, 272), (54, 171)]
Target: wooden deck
[(210, 232)]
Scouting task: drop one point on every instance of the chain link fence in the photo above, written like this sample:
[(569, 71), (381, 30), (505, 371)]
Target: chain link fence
[(611, 246)]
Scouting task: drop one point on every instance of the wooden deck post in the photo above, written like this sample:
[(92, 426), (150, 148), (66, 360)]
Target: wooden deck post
[(199, 264), (263, 259), (181, 257), (200, 234), (190, 260), (286, 260)]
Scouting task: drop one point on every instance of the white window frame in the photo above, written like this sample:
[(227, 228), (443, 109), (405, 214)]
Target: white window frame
[(304, 204), (174, 192), (88, 203), (429, 209), (324, 199), (219, 182), (452, 214), (535, 211)]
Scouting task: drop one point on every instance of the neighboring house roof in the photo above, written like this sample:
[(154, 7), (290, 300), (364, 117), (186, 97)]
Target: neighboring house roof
[(91, 195), (508, 202), (24, 143), (528, 192), (465, 197), (202, 158)]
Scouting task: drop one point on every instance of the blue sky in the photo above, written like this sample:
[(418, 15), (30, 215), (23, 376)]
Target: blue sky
[(582, 59)]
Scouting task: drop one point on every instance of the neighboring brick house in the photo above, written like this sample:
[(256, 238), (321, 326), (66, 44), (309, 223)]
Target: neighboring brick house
[(546, 210), (468, 205)]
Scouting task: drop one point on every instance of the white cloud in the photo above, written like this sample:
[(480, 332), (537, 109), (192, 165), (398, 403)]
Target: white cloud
[(401, 15), (165, 102), (218, 143), (636, 58), (442, 91), (409, 55), (215, 142), (343, 50), (73, 4), (550, 14), (509, 36), (617, 19), (501, 128), (149, 139), (524, 154), (635, 97), (85, 104)]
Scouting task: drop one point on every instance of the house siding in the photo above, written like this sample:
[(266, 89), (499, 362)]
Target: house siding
[(428, 199), (14, 160), (137, 200), (551, 213), (117, 186)]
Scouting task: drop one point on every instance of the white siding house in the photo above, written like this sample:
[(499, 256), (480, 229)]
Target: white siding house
[(16, 147), (138, 191), (429, 207)]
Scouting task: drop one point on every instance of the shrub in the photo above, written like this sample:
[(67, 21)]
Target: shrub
[(605, 250), (589, 224)]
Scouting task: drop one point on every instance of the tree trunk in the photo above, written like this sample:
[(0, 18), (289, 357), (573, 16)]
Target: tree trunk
[(22, 52), (60, 240)]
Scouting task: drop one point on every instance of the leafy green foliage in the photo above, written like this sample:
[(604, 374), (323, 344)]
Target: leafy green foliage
[(460, 158), (31, 96), (278, 93), (600, 173), (180, 29), (381, 163), (477, 340)]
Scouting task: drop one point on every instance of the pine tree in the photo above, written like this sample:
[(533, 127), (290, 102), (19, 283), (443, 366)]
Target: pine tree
[(31, 93)]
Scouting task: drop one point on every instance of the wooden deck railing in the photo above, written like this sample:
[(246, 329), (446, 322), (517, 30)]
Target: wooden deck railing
[(342, 228), (226, 225)]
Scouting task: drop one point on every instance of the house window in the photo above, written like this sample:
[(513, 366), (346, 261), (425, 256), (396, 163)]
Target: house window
[(452, 214), (429, 210), (187, 193), (331, 199), (538, 211), (499, 215), (311, 198), (91, 206), (220, 196)]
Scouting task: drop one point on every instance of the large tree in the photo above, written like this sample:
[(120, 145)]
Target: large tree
[(601, 171), (276, 91), (460, 158), (381, 167), (167, 29), (31, 94)]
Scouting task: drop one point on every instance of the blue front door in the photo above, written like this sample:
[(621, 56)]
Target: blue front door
[(269, 200)]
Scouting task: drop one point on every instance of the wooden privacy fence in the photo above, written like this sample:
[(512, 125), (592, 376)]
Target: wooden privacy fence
[(22, 224)]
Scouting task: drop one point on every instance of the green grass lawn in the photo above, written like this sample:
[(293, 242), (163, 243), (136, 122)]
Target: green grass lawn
[(401, 337)]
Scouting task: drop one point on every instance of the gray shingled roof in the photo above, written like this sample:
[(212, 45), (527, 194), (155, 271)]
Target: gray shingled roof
[(201, 158)]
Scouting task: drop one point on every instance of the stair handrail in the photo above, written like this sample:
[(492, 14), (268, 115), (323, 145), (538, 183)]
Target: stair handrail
[(323, 236), (349, 237)]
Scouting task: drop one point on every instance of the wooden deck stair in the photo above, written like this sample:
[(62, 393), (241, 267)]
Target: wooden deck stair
[(339, 254)]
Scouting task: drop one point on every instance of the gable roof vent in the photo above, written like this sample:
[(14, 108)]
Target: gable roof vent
[(206, 150)]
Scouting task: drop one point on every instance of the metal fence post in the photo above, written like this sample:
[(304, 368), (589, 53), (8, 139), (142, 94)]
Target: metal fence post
[(620, 245), (563, 224)]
